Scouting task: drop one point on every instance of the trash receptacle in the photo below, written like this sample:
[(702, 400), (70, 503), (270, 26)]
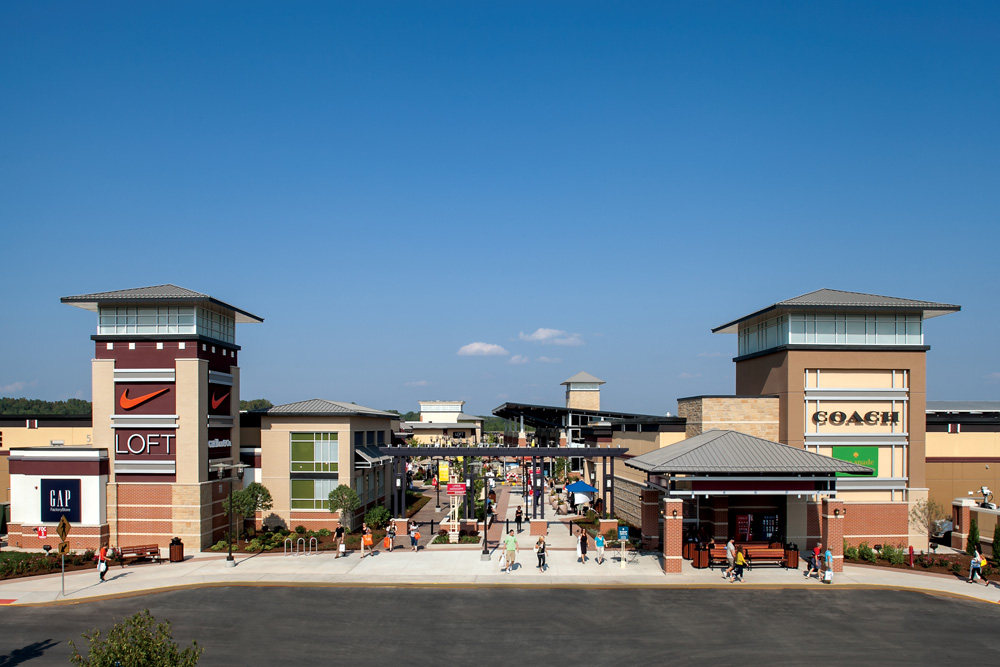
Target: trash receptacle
[(791, 556), (176, 550)]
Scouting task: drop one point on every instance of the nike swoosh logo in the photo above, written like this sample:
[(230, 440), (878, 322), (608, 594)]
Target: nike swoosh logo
[(129, 403), (217, 402)]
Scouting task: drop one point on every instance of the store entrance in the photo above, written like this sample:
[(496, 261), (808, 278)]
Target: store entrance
[(757, 518)]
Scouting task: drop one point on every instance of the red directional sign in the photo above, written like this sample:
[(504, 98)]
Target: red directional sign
[(456, 489)]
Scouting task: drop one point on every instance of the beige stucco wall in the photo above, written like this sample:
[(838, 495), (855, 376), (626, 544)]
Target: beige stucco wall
[(192, 422), (756, 416), (583, 400)]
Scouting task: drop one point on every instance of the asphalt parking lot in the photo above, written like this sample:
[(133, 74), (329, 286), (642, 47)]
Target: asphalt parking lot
[(555, 626)]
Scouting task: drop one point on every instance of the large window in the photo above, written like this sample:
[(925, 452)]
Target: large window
[(167, 320), (312, 494), (314, 452), (832, 329)]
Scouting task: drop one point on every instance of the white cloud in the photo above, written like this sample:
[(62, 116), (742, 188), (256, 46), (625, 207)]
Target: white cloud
[(416, 383), (13, 387), (689, 376), (709, 354), (518, 359), (993, 376), (552, 337), (481, 350), (550, 360)]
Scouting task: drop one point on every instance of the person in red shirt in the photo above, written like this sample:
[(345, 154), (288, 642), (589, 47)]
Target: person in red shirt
[(102, 562), (814, 564)]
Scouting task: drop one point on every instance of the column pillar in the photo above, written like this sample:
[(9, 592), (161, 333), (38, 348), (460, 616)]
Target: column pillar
[(961, 520), (832, 529), (650, 507), (673, 524)]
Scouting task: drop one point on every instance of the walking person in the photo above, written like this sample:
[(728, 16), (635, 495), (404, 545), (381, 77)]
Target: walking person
[(599, 543), (510, 545), (102, 564), (730, 558), (976, 566), (540, 552), (741, 561), (366, 540), (814, 562), (390, 536), (338, 539), (414, 537), (583, 546), (518, 518)]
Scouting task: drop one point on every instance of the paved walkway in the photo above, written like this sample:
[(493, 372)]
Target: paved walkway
[(441, 566)]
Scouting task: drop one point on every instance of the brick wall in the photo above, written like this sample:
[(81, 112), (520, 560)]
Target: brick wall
[(80, 538), (673, 535), (832, 523), (876, 523)]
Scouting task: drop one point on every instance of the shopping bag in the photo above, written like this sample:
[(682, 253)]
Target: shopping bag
[(102, 566), (367, 540), (387, 542), (828, 577), (342, 548), (416, 535), (503, 561)]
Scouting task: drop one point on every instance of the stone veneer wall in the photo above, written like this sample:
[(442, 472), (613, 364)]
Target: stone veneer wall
[(756, 416)]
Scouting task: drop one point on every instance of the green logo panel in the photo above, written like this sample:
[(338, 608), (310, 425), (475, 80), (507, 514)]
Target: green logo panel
[(863, 456)]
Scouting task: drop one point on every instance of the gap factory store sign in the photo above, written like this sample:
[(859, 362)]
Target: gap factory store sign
[(60, 497)]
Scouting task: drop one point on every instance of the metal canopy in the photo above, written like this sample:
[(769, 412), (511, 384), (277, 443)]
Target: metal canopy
[(516, 452)]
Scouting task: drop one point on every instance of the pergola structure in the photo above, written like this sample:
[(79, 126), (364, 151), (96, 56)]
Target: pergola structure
[(535, 455)]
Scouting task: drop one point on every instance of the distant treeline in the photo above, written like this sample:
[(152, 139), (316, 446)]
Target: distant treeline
[(36, 406)]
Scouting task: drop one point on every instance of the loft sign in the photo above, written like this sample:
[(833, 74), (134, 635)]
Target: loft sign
[(137, 443), (871, 418)]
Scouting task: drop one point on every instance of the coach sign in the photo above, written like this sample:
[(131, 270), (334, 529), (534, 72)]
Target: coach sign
[(60, 497)]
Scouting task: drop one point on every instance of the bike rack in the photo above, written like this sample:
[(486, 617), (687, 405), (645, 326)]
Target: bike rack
[(313, 545), (287, 545), (300, 546)]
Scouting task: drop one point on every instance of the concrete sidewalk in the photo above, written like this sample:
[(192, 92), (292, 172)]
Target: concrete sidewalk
[(444, 567)]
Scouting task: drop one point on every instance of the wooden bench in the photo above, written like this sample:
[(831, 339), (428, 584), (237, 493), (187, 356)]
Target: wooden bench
[(150, 551), (758, 554)]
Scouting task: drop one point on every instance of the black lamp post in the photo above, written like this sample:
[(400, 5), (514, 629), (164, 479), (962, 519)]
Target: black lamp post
[(222, 468)]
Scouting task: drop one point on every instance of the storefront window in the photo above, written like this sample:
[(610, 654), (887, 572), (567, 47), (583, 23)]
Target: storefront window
[(312, 494), (314, 452)]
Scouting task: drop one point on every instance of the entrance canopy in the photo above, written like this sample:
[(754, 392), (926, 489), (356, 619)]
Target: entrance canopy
[(720, 462)]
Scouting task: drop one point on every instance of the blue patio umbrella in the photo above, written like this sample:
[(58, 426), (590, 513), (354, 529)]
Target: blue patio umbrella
[(580, 487)]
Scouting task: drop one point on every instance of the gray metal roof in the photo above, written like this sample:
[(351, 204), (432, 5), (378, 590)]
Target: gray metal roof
[(732, 452), (831, 299), (583, 377), (319, 407), (963, 406), (157, 293)]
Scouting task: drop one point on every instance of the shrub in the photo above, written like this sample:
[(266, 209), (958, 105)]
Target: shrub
[(865, 553), (895, 555), (970, 548), (301, 530), (851, 553), (219, 546), (956, 567), (255, 545), (323, 532), (136, 640), (284, 532), (377, 517)]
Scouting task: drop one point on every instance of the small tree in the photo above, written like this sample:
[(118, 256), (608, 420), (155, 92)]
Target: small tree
[(345, 500), (137, 640), (250, 500), (970, 548), (925, 515)]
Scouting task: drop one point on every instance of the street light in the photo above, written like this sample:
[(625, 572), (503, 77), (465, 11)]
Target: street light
[(222, 468)]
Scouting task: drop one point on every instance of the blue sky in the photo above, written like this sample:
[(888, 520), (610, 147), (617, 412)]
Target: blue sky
[(387, 183)]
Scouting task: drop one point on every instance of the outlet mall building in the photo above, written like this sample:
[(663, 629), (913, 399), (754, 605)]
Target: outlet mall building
[(828, 433)]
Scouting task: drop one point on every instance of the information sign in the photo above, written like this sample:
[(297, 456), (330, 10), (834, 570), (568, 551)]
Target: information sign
[(623, 533), (456, 489)]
